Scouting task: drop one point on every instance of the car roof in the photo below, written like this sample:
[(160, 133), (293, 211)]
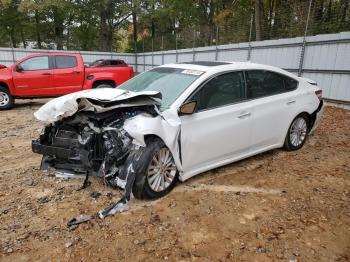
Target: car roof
[(208, 63), (219, 66)]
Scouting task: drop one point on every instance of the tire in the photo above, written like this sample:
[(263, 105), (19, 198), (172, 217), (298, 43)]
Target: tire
[(6, 99), (145, 185), (297, 133), (104, 86)]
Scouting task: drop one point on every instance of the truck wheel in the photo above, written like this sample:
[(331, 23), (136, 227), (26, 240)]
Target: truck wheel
[(104, 86), (6, 99)]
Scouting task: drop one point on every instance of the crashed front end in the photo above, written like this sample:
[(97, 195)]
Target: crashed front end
[(85, 134), (89, 143)]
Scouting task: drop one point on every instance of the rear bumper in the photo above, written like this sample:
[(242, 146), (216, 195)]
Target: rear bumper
[(318, 113)]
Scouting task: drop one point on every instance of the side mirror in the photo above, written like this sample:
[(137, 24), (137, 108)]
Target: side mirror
[(188, 108), (19, 68)]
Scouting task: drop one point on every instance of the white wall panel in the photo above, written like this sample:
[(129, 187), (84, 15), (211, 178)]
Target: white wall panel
[(324, 53)]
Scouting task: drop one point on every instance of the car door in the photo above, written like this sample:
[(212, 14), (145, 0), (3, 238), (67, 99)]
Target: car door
[(220, 128), (273, 102), (34, 76), (68, 74)]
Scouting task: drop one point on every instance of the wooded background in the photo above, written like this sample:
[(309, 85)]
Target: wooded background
[(151, 25)]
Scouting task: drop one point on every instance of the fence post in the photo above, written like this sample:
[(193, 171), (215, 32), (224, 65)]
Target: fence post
[(194, 45), (162, 50), (176, 55), (13, 55), (135, 54), (250, 38), (302, 53), (143, 52), (152, 54), (216, 43)]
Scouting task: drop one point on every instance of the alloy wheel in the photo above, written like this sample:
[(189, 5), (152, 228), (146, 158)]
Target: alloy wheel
[(298, 131), (4, 99), (161, 171)]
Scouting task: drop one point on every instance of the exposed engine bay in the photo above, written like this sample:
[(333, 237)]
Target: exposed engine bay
[(89, 136)]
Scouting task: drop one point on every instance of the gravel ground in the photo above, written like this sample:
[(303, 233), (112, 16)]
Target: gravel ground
[(288, 206)]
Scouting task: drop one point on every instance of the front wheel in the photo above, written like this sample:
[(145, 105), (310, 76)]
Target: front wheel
[(161, 173), (297, 133), (6, 99)]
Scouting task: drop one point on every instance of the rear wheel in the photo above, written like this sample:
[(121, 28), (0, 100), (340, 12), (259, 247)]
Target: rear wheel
[(6, 99), (161, 173), (297, 133)]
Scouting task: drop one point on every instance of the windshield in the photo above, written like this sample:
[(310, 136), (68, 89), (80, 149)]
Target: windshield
[(170, 82)]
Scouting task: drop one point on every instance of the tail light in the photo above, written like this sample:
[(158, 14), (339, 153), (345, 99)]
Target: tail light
[(319, 93)]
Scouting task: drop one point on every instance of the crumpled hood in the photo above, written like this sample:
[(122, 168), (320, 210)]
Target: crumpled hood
[(96, 100)]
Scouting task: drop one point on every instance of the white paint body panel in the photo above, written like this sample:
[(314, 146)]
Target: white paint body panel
[(210, 138)]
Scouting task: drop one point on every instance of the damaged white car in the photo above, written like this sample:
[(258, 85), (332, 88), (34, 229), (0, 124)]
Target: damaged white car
[(176, 121)]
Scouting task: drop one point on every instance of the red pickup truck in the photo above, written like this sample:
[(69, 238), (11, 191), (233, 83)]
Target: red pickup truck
[(55, 74)]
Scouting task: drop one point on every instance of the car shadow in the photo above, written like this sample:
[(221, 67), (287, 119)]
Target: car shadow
[(249, 163), (25, 104)]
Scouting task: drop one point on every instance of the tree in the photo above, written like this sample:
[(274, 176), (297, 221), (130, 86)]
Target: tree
[(112, 14)]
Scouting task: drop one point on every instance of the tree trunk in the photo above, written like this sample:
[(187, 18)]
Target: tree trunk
[(344, 5), (271, 17), (58, 29), (24, 42), (329, 11), (59, 37), (106, 34), (318, 15), (13, 38), (258, 20), (37, 31), (134, 24)]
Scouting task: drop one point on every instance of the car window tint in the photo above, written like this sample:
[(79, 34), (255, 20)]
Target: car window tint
[(116, 62), (220, 91), (263, 83), (36, 63), (66, 61), (290, 84)]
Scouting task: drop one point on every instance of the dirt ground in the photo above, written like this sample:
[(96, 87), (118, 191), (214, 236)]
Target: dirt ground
[(288, 206)]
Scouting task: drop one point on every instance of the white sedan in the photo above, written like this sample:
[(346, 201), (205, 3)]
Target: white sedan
[(210, 114)]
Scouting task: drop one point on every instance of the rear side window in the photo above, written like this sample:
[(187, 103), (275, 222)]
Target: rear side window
[(220, 91), (290, 84), (66, 61), (264, 83), (117, 62)]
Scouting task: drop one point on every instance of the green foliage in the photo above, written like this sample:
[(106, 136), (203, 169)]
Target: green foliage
[(130, 25)]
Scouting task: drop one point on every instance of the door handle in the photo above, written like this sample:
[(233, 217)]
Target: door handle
[(243, 115), (290, 102), (76, 72), (46, 74)]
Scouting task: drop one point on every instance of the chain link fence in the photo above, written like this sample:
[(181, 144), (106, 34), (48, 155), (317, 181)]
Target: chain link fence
[(261, 20)]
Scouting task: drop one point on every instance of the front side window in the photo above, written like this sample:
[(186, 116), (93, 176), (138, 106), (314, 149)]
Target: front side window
[(36, 63), (264, 83), (65, 61), (170, 82), (220, 91)]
